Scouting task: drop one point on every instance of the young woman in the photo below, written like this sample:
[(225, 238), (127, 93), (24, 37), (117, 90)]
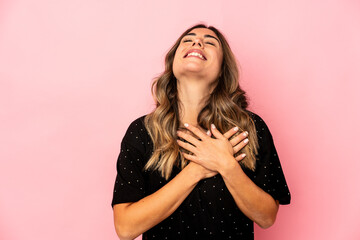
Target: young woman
[(200, 166)]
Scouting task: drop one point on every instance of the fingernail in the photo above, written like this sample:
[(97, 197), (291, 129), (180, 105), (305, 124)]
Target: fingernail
[(208, 133), (186, 124), (212, 126), (236, 128), (246, 140), (245, 133), (243, 155)]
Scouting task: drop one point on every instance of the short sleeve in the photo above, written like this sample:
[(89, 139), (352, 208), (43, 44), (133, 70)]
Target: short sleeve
[(268, 174), (129, 184)]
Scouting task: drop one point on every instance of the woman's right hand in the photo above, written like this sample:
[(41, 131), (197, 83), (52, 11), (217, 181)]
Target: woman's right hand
[(237, 141)]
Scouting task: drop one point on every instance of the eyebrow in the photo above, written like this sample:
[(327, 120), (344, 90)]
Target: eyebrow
[(206, 35)]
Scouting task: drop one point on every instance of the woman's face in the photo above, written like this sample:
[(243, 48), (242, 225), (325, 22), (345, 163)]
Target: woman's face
[(199, 55)]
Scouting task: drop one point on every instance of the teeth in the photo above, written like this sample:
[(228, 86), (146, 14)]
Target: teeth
[(196, 55)]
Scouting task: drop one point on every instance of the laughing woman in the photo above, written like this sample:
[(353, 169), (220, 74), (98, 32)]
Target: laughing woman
[(200, 166)]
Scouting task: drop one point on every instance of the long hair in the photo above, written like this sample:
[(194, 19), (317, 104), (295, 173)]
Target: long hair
[(226, 108)]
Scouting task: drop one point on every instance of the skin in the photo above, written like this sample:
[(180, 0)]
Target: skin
[(196, 79), (216, 155)]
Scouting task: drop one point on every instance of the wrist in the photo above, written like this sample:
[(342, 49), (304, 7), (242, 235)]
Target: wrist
[(193, 172), (228, 166)]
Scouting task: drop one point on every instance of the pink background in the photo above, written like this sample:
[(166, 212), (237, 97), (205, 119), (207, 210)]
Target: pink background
[(75, 73)]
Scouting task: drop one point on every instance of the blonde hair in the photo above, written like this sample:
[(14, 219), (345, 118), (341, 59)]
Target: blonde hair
[(226, 108)]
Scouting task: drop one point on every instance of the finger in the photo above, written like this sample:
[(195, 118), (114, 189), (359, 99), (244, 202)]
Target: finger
[(190, 157), (187, 146), (231, 132), (196, 131), (208, 133), (239, 138), (240, 157), (216, 132), (240, 146), (188, 138)]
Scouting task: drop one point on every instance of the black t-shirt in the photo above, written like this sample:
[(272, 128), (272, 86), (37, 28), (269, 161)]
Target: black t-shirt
[(209, 211)]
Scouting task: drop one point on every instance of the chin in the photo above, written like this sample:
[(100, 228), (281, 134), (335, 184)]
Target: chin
[(190, 69)]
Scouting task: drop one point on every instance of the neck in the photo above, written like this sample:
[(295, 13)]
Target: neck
[(192, 96)]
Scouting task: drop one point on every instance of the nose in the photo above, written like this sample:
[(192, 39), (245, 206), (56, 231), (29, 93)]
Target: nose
[(198, 42)]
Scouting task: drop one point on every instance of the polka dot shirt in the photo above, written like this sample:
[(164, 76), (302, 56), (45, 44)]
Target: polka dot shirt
[(209, 211)]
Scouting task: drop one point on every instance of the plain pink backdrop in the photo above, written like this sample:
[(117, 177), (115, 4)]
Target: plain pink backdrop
[(74, 74)]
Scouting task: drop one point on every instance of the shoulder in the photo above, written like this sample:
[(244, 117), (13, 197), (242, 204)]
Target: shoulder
[(258, 121), (136, 134), (262, 130), (137, 124)]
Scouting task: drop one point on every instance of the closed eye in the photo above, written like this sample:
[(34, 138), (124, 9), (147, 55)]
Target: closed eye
[(187, 40), (210, 43)]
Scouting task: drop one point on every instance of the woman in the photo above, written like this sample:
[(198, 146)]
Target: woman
[(179, 175)]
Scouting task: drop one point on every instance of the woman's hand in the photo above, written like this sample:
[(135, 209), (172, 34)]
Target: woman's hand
[(212, 153), (238, 142)]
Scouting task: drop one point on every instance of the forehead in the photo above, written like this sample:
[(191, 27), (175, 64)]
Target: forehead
[(203, 31)]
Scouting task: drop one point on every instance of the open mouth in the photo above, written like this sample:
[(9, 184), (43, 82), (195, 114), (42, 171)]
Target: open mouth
[(195, 53)]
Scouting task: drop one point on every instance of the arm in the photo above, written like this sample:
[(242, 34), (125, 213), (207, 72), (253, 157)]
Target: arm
[(254, 202), (217, 155), (132, 219)]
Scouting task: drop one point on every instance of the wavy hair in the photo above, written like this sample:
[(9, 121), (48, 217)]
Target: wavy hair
[(226, 108)]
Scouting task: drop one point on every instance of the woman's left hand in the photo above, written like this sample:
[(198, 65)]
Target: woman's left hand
[(212, 153), (238, 142)]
